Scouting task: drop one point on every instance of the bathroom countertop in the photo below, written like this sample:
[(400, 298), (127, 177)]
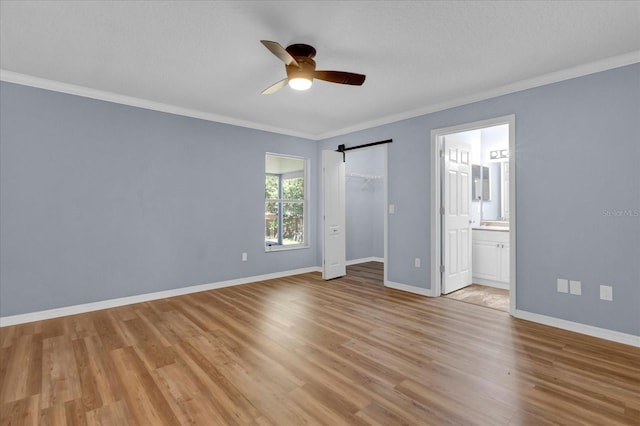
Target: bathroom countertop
[(492, 228)]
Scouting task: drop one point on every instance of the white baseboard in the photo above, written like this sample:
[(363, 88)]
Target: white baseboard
[(408, 288), (589, 330), (112, 303), (364, 260)]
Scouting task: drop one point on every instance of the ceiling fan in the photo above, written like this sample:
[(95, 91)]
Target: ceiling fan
[(301, 68)]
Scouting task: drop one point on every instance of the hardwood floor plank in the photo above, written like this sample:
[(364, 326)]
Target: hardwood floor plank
[(144, 399), (104, 326), (21, 376), (320, 411), (60, 378), (90, 395), (103, 371), (13, 375), (232, 405), (184, 394), (410, 411), (115, 413), (303, 351), (375, 414), (459, 404), (53, 415), (54, 328), (80, 328), (348, 366), (24, 411), (75, 412), (567, 410)]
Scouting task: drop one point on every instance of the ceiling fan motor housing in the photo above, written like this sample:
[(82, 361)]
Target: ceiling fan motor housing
[(303, 50), (306, 69)]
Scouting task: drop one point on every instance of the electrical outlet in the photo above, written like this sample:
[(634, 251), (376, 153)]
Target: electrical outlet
[(563, 285), (416, 262), (244, 257), (606, 293), (575, 288)]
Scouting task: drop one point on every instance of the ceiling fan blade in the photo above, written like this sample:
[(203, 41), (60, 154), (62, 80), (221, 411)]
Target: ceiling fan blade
[(341, 77), (275, 87), (280, 52)]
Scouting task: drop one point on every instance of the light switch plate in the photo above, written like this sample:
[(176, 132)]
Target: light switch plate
[(606, 292), (575, 288), (392, 208), (563, 285), (417, 262)]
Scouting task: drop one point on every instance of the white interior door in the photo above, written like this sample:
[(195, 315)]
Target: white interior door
[(456, 220), (334, 241)]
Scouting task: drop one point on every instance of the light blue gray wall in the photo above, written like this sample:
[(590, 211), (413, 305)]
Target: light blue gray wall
[(364, 203), (578, 193), (100, 201)]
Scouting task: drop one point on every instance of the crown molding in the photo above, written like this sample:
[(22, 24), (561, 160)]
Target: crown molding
[(87, 92), (554, 77)]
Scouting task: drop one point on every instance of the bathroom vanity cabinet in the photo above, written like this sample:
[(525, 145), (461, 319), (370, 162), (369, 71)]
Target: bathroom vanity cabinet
[(491, 258)]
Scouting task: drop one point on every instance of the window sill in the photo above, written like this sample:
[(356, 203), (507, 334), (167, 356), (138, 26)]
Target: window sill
[(269, 249)]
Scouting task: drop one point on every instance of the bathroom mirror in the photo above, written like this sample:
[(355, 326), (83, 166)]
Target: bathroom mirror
[(480, 177), (491, 184)]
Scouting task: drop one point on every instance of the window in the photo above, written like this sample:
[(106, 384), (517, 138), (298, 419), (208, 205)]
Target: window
[(285, 202)]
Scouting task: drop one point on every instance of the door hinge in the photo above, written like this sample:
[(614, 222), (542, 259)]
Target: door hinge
[(441, 153), (442, 211), (441, 268)]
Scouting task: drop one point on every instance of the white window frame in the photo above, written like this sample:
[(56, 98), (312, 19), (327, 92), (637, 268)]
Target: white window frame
[(305, 202)]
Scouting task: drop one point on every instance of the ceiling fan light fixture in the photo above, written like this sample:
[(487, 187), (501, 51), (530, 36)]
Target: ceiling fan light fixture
[(301, 68), (300, 83)]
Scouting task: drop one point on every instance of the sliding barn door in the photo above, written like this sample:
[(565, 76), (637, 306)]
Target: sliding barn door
[(334, 241)]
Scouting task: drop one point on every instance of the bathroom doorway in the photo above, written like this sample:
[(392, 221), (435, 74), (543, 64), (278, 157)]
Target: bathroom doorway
[(473, 211)]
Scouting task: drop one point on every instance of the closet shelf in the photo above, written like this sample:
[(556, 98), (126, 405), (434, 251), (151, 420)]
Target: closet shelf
[(365, 177)]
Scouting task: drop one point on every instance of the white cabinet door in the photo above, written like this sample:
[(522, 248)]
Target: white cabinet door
[(504, 263), (486, 258), (491, 258)]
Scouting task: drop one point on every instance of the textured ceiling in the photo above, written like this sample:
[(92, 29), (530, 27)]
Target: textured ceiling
[(205, 58)]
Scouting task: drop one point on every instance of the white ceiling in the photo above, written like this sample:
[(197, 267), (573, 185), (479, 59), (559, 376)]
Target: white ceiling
[(204, 58)]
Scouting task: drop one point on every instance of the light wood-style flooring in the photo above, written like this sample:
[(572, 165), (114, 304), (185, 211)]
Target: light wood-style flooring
[(299, 350)]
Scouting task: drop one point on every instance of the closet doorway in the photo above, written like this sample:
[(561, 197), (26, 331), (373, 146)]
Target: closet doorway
[(365, 201)]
